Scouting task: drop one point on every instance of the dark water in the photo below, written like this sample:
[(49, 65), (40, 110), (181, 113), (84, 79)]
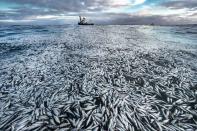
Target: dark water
[(98, 77)]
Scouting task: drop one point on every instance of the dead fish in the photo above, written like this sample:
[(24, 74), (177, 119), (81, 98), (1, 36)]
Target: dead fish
[(56, 118), (108, 82), (34, 126)]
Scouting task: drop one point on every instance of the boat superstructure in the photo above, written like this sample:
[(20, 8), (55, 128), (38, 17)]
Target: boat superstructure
[(82, 21)]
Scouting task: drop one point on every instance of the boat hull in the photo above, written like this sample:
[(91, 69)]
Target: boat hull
[(85, 24)]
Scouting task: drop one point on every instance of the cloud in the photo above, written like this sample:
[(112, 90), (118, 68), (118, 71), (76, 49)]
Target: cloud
[(118, 3), (102, 11), (78, 5), (129, 19), (179, 4), (138, 2), (64, 5)]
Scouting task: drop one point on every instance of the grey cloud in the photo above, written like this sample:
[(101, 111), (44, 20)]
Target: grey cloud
[(194, 15), (22, 13), (8, 14), (179, 4), (65, 5), (126, 19), (52, 7), (33, 8)]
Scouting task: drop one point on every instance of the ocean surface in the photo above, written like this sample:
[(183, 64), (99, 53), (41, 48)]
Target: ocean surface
[(113, 77)]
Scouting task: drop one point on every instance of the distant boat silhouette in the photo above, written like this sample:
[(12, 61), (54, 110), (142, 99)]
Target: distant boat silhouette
[(82, 21)]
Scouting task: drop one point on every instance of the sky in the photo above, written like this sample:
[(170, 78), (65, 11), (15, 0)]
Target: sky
[(159, 12)]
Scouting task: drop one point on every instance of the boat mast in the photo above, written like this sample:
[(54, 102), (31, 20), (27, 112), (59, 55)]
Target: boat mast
[(80, 19)]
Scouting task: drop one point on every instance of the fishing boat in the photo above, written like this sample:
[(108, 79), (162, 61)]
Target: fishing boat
[(82, 21)]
